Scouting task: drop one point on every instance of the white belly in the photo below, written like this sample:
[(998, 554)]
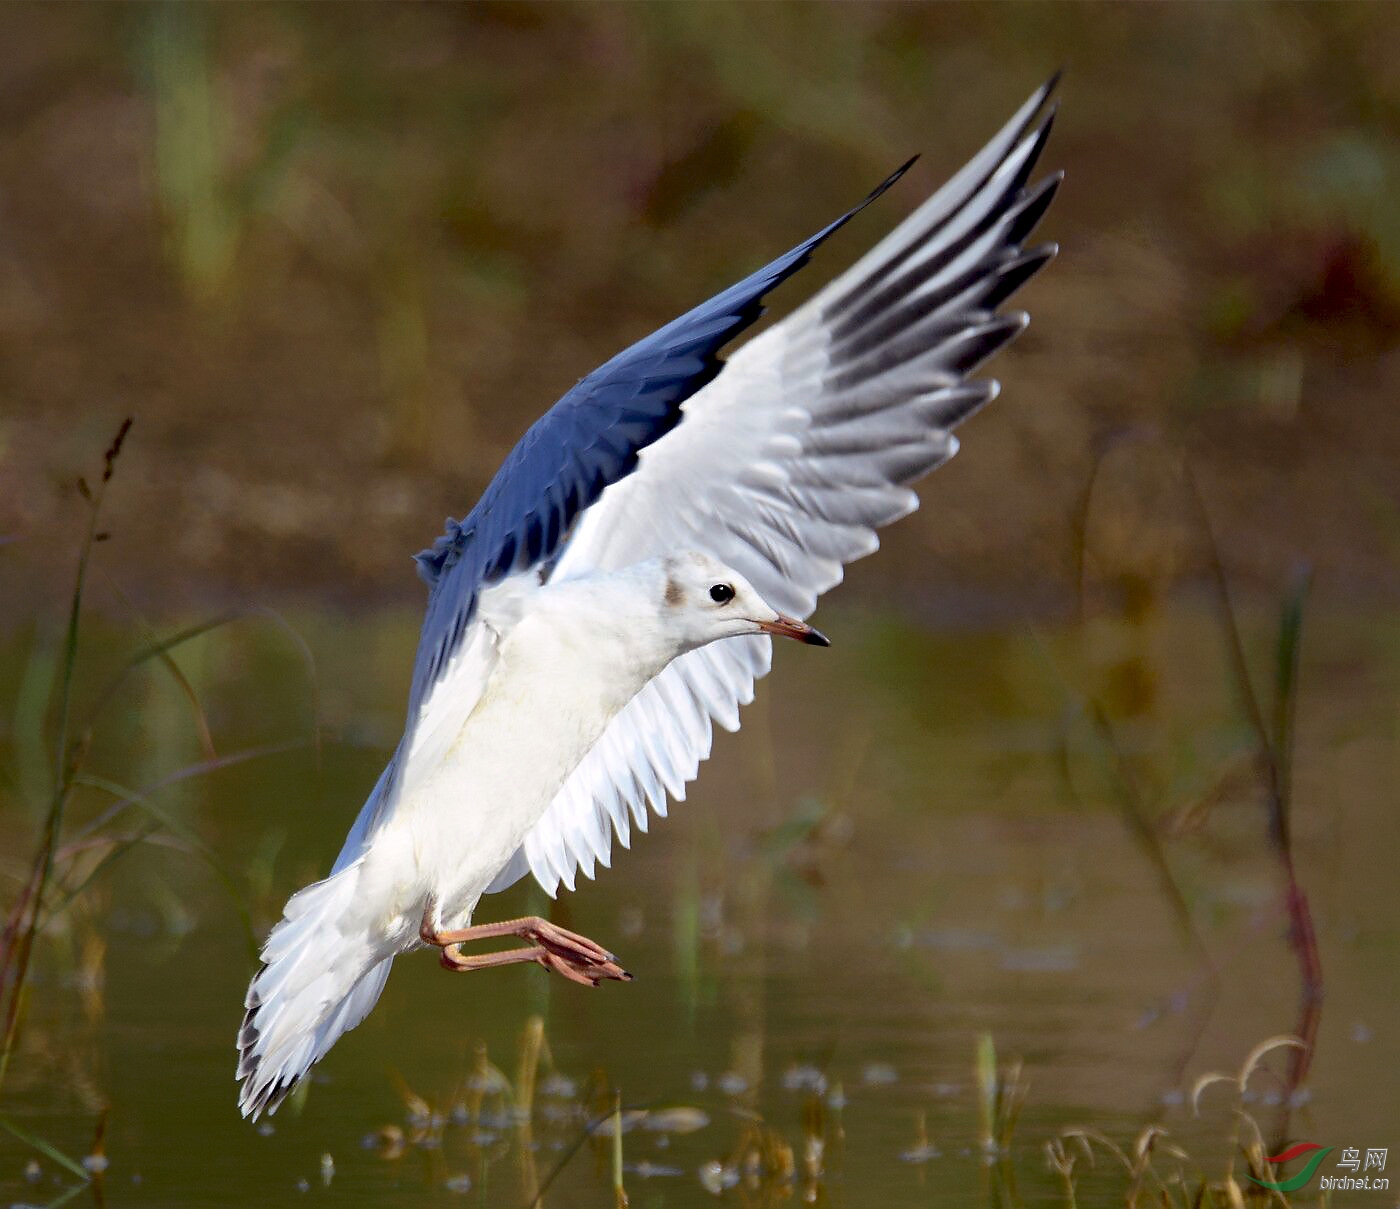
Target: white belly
[(547, 703)]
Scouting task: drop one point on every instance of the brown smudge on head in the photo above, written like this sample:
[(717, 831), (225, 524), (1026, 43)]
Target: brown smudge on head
[(674, 595)]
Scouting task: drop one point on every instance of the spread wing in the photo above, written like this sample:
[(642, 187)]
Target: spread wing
[(588, 442), (786, 463)]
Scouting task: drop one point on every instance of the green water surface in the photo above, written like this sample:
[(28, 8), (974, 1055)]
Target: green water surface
[(918, 839)]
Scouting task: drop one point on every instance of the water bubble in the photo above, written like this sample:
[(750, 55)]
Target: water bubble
[(804, 1078), (717, 1177), (631, 922), (681, 1119), (879, 1074), (650, 1171), (558, 1087), (731, 1083), (498, 1120), (557, 1113)]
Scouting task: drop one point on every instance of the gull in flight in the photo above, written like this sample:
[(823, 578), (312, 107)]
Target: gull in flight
[(615, 590)]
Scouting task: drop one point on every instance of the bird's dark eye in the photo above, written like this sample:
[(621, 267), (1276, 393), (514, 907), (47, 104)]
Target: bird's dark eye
[(721, 593)]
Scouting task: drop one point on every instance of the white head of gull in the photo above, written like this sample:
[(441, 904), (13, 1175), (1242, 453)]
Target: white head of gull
[(614, 592)]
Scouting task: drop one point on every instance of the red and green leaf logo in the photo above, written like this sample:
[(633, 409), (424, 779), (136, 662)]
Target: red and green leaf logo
[(1295, 1182)]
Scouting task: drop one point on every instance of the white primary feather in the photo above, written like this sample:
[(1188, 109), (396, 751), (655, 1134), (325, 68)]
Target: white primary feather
[(786, 465)]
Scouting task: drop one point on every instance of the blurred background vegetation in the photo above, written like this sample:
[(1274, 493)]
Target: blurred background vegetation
[(334, 259), (1052, 780)]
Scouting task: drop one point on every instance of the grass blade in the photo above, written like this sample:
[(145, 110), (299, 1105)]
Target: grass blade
[(48, 1150), (178, 828), (155, 650), (1286, 693), (119, 847), (189, 772)]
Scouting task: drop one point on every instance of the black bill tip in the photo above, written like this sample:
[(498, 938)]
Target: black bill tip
[(790, 627)]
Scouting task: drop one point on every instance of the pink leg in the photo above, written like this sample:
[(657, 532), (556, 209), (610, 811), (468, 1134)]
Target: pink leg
[(575, 957)]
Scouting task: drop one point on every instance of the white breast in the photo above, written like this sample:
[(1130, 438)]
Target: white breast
[(565, 669)]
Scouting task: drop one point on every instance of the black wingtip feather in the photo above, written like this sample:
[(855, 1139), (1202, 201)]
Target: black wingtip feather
[(1015, 273), (981, 342), (1032, 207)]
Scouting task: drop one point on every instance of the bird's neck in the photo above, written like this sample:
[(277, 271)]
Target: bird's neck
[(608, 625)]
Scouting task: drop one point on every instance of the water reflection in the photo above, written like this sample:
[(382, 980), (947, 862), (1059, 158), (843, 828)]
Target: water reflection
[(826, 937)]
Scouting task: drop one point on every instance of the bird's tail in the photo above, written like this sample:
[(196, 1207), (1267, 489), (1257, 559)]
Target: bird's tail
[(316, 983)]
